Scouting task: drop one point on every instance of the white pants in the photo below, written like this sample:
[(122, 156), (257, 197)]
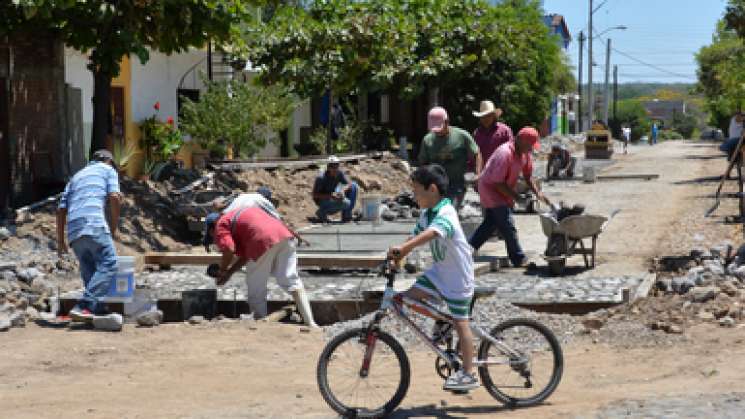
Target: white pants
[(280, 261)]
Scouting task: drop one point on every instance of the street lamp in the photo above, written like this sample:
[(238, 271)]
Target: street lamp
[(619, 27), (606, 90), (590, 95)]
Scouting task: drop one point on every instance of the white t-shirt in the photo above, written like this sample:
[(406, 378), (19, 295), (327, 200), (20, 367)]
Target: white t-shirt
[(627, 132), (735, 128), (452, 270), (251, 200)]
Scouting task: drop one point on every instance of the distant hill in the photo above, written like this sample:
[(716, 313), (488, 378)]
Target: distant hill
[(636, 90)]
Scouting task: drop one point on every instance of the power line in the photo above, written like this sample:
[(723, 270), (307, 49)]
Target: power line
[(646, 64)]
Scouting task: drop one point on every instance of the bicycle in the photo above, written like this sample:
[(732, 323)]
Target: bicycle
[(376, 376)]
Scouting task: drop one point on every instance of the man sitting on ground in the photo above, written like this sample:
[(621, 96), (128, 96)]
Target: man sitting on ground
[(560, 161), (333, 192)]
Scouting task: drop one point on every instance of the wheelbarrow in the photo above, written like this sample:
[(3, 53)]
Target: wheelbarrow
[(566, 238)]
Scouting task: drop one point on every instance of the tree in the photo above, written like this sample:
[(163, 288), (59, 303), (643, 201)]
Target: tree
[(470, 49), (239, 114), (110, 30), (721, 71), (632, 114)]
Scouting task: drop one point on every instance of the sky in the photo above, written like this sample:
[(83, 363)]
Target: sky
[(663, 33)]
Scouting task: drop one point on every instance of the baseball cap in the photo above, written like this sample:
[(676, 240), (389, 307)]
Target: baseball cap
[(436, 119), (531, 136), (103, 155), (209, 221)]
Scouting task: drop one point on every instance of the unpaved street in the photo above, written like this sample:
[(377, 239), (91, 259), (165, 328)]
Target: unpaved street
[(245, 369)]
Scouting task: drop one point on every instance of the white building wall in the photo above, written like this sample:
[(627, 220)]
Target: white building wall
[(158, 81)]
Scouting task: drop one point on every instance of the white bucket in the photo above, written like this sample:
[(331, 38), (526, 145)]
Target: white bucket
[(122, 286), (371, 207), (588, 174)]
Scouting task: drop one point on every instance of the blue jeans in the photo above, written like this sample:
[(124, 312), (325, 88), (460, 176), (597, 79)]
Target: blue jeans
[(728, 146), (97, 257), (499, 218), (346, 205)]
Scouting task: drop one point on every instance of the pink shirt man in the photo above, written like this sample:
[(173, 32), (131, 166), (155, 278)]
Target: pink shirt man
[(504, 166)]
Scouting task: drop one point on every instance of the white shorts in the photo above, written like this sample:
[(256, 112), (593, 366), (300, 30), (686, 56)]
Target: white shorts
[(280, 261)]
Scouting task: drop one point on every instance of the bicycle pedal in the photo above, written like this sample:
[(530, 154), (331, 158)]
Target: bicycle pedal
[(459, 392)]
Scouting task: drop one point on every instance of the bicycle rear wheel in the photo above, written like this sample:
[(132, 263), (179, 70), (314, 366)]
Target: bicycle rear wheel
[(352, 393), (530, 375)]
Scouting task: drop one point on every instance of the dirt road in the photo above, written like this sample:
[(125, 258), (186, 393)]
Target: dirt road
[(232, 371), (248, 370)]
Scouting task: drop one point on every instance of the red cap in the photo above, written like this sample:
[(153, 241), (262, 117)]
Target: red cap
[(531, 136)]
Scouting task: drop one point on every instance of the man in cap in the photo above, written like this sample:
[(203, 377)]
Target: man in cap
[(333, 192), (82, 211), (498, 194), (253, 238), (560, 161), (262, 198), (450, 147), (490, 134)]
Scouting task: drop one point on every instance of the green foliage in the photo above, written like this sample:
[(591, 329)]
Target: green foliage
[(734, 18), (123, 153), (160, 140), (721, 74), (237, 114), (684, 124), (631, 113), (470, 49), (669, 134), (112, 30)]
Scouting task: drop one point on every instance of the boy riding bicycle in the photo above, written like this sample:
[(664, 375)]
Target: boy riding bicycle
[(451, 276)]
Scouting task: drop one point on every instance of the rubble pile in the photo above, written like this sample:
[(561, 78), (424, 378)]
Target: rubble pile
[(385, 175), (704, 287), (24, 290)]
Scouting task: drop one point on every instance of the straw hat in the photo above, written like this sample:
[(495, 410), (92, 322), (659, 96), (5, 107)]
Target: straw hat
[(485, 108)]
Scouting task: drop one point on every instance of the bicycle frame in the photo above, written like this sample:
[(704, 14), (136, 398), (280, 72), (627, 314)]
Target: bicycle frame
[(395, 302)]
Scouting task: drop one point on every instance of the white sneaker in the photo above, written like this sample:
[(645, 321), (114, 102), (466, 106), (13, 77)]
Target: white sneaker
[(461, 381)]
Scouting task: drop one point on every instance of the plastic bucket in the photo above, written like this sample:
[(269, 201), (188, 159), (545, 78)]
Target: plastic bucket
[(371, 207), (122, 286), (588, 174), (199, 303)]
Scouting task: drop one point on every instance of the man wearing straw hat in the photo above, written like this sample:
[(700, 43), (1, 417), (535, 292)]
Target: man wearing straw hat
[(490, 134)]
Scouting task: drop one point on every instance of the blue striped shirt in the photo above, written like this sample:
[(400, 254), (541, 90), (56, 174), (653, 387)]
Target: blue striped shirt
[(85, 200)]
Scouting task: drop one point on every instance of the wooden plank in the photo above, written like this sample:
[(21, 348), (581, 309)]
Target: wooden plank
[(321, 260), (642, 291), (628, 177), (289, 164)]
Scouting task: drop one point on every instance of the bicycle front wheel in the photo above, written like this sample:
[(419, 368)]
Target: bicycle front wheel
[(358, 386), (525, 367)]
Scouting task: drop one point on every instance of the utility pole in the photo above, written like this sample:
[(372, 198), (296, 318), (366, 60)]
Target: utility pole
[(591, 104), (606, 90), (578, 123), (615, 91)]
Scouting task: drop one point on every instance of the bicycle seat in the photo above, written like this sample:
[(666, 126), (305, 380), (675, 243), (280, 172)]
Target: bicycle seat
[(480, 292)]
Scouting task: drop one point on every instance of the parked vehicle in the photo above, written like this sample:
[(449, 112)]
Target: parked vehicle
[(712, 134)]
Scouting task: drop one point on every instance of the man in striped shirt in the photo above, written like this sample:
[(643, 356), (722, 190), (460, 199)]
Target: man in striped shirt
[(82, 210)]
